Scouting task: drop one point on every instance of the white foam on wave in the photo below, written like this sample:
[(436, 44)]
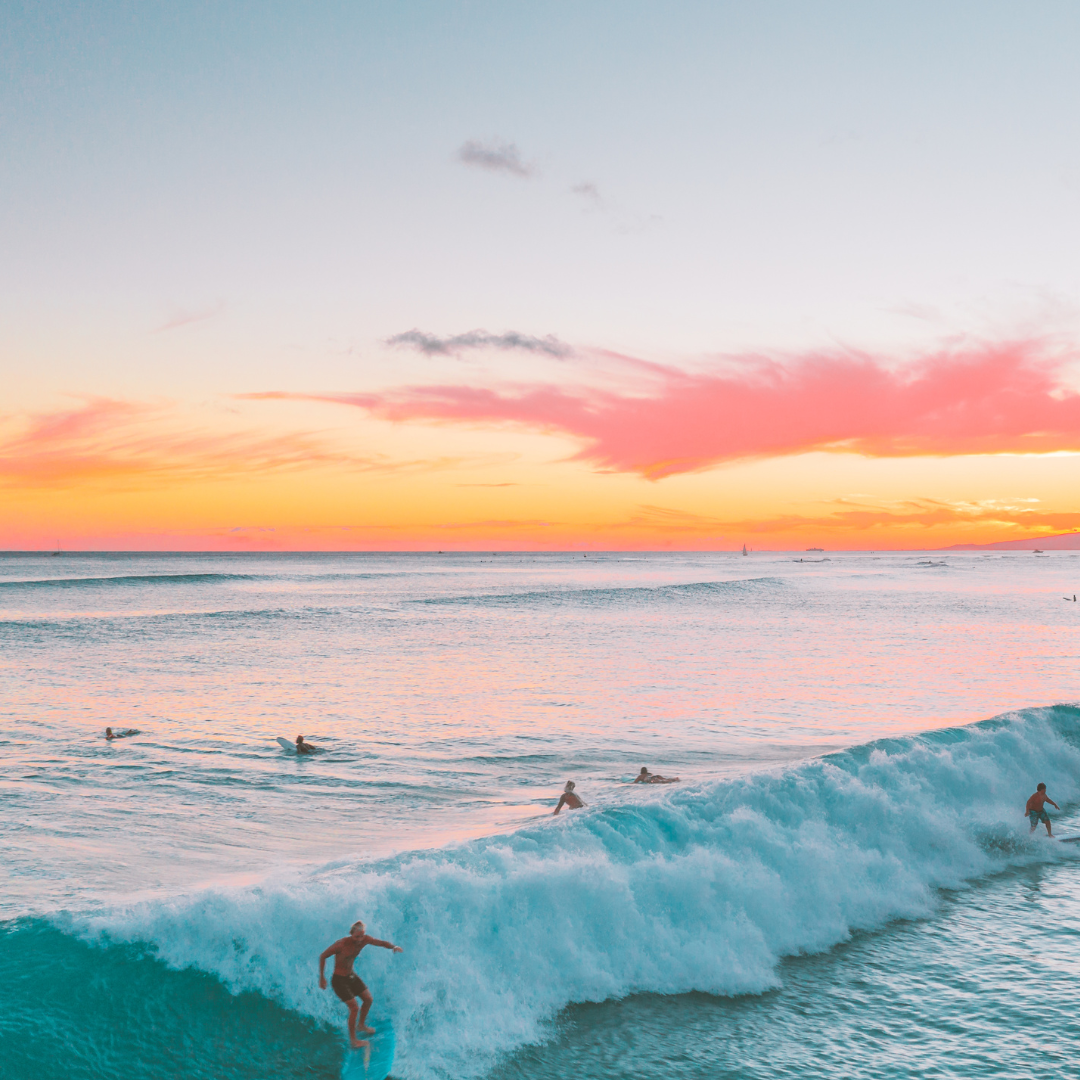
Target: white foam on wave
[(705, 889)]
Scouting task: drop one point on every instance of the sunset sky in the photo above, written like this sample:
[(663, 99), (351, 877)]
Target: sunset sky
[(459, 275)]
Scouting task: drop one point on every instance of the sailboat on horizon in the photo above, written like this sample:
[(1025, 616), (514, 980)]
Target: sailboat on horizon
[(744, 551)]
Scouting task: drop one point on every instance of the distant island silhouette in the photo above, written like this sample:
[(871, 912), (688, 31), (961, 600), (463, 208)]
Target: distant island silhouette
[(1059, 542)]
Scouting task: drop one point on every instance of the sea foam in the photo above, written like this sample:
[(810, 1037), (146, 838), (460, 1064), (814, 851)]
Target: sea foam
[(705, 888)]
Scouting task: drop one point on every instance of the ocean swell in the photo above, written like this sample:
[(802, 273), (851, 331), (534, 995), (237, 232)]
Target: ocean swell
[(124, 581), (734, 589), (704, 888)]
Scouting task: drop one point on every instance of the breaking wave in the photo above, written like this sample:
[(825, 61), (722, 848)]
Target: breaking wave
[(704, 889)]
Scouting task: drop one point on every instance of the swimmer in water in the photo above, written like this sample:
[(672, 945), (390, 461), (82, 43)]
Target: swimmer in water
[(304, 747), (569, 798), (109, 734), (646, 777)]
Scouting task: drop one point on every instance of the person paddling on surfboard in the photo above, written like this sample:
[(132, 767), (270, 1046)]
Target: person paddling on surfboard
[(303, 747), (1036, 809), (346, 983), (646, 777)]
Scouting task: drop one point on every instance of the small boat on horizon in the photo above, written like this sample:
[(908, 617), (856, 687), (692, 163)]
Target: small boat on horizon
[(744, 551), (815, 549)]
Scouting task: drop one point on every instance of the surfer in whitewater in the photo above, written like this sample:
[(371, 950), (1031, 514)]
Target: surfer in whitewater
[(1036, 809), (570, 798), (346, 983), (646, 777)]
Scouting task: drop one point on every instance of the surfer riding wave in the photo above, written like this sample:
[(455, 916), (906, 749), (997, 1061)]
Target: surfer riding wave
[(346, 983)]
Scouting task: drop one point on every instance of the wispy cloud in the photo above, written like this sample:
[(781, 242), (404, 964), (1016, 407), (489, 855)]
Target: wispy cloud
[(847, 519), (624, 221), (915, 515), (432, 345), (134, 445), (185, 317), (496, 155), (986, 399), (588, 191), (126, 444)]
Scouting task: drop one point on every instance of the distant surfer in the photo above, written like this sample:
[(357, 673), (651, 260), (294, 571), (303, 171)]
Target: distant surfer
[(1036, 809), (303, 747), (109, 734), (646, 777), (346, 983), (569, 798)]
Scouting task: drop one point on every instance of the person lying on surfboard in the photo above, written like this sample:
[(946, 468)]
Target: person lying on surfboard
[(1036, 809), (646, 777), (346, 983), (570, 798)]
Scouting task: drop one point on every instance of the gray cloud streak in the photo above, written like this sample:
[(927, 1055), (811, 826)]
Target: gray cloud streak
[(495, 156), (549, 345)]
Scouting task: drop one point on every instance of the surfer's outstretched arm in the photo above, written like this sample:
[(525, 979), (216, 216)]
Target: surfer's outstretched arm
[(384, 944)]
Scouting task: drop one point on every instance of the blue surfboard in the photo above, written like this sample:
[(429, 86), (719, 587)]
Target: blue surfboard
[(372, 1062)]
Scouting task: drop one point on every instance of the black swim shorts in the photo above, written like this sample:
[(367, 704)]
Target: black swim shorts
[(347, 987)]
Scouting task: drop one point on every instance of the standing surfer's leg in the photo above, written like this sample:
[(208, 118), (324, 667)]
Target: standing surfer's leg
[(367, 999), (353, 1011)]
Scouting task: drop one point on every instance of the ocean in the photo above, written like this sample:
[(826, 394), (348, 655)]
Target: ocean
[(842, 884)]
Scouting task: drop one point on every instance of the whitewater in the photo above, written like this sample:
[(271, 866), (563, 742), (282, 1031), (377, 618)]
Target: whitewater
[(842, 884)]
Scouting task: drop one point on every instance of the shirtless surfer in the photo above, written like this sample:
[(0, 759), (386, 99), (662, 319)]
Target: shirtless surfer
[(1036, 809), (346, 983), (569, 798), (646, 777), (304, 747)]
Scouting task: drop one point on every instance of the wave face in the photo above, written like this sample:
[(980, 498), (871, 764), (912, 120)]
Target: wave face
[(705, 889)]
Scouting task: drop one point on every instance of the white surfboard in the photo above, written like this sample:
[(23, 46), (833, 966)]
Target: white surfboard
[(288, 744)]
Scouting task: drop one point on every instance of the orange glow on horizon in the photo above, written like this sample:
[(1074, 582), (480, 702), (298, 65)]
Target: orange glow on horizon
[(840, 452)]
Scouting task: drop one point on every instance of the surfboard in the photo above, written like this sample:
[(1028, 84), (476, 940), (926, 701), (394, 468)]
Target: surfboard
[(1068, 839), (288, 744), (375, 1061)]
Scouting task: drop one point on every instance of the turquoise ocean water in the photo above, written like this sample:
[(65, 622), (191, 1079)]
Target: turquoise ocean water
[(842, 884)]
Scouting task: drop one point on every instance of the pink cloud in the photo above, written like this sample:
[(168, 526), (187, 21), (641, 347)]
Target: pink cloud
[(126, 445), (986, 399)]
